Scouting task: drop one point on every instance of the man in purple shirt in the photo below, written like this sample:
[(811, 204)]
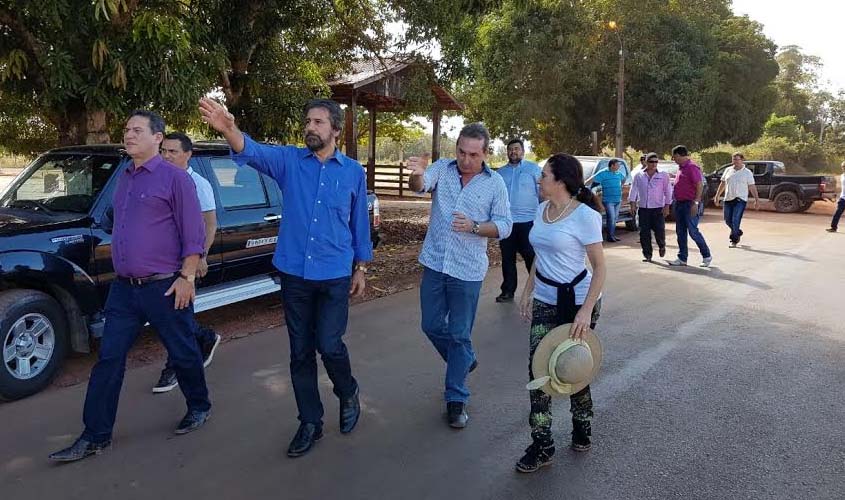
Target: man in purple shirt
[(157, 241), (651, 191), (689, 185)]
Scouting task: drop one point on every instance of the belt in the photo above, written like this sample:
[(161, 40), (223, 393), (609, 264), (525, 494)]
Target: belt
[(146, 279)]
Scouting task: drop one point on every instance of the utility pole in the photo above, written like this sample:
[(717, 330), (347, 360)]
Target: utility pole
[(620, 91)]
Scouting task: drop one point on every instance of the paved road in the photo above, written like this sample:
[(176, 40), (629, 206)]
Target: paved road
[(718, 383)]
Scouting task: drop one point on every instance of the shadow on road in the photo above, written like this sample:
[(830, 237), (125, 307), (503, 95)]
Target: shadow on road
[(716, 273), (791, 255)]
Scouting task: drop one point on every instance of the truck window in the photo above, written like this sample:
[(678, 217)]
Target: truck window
[(62, 182), (238, 186)]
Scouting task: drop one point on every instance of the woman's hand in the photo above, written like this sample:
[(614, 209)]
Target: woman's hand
[(581, 323), (525, 304)]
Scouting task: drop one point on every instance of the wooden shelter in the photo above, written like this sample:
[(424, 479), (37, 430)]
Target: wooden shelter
[(381, 86)]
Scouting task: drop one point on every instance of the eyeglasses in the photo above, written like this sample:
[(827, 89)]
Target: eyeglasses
[(652, 161)]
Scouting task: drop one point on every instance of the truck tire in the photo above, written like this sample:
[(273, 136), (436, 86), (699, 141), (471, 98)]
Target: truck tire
[(34, 342), (805, 205), (787, 202)]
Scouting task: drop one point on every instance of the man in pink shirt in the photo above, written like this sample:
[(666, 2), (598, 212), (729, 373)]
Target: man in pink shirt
[(689, 185), (650, 198)]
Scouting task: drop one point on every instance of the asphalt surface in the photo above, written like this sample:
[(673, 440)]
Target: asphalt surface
[(717, 383)]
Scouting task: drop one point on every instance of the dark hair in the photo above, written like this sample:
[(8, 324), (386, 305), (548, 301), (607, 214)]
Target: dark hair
[(568, 170), (680, 150), (335, 113), (156, 121), (642, 157), (612, 162), (515, 141), (741, 156), (476, 131), (183, 139)]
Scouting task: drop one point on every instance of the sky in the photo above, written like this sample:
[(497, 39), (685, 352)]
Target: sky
[(814, 25)]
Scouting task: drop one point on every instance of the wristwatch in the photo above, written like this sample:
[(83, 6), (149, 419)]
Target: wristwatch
[(475, 227), (189, 278), (361, 267)]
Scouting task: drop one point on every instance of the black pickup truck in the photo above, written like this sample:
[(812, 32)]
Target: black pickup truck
[(55, 252), (788, 193)]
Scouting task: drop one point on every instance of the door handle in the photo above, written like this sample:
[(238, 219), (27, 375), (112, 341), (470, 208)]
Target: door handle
[(272, 217)]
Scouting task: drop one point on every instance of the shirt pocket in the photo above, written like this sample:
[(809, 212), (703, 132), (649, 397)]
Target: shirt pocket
[(341, 201)]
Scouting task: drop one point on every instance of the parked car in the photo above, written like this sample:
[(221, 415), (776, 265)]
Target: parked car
[(55, 252), (789, 193)]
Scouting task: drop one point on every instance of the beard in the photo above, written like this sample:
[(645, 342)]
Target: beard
[(314, 142)]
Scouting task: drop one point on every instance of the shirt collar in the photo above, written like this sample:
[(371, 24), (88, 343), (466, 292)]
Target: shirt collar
[(484, 167), (336, 156), (149, 166)]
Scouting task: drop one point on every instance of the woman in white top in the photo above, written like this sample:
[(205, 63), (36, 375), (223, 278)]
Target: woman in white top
[(560, 290)]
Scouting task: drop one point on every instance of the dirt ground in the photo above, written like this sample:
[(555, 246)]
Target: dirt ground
[(394, 269)]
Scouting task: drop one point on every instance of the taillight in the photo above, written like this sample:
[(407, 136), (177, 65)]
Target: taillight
[(376, 214)]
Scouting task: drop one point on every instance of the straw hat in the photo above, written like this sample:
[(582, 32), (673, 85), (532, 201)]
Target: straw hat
[(563, 366)]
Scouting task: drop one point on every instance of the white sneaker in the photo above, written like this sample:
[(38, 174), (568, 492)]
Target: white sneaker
[(706, 262), (676, 262), (732, 245)]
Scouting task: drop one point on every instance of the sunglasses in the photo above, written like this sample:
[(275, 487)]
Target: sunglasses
[(652, 161)]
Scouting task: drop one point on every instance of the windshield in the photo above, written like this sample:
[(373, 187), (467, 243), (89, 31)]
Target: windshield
[(60, 182)]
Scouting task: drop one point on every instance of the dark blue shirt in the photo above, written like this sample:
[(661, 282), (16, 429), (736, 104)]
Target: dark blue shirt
[(325, 225)]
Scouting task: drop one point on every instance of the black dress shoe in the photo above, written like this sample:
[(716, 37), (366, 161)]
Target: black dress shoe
[(457, 414), (305, 437), (79, 450), (504, 297), (662, 251), (350, 410), (192, 421)]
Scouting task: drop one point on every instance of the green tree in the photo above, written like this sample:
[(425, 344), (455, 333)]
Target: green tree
[(84, 63)]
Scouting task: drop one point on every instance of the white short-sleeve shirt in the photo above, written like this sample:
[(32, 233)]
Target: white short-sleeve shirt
[(737, 182), (204, 191), (561, 253)]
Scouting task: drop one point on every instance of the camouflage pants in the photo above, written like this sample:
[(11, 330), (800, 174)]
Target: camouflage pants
[(544, 319)]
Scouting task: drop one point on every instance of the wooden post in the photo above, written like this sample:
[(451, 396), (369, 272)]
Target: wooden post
[(435, 134), (401, 178), (371, 162), (352, 129)]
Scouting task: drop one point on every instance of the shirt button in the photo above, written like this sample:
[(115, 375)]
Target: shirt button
[(318, 201), (309, 256), (312, 238), (322, 184), (315, 220)]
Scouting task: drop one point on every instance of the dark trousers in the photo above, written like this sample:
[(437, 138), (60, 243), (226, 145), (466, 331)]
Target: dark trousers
[(733, 217), (128, 307), (316, 313), (544, 319), (517, 242), (687, 224), (651, 221), (840, 207), (203, 335)]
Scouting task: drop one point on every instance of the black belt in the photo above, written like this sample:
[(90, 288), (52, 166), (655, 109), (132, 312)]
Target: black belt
[(146, 279), (566, 307)]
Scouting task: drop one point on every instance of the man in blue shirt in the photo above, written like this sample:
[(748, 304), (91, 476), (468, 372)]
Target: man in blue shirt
[(469, 205), (611, 180), (521, 177), (323, 237)]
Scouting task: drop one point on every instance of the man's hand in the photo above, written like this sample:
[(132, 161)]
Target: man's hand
[(633, 205), (461, 223), (202, 268), (666, 211), (756, 203), (716, 200), (216, 115), (417, 164), (184, 291), (693, 211), (359, 282)]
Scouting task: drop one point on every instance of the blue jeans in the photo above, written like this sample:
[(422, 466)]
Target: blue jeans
[(448, 312), (733, 217), (128, 307), (316, 313), (686, 223), (611, 210), (840, 207)]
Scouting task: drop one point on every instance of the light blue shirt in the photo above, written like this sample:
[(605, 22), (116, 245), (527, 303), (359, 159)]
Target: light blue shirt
[(325, 223), (484, 199), (611, 185), (523, 190)]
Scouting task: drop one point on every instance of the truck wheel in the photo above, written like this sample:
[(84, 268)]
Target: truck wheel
[(786, 202), (34, 340), (805, 206)]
